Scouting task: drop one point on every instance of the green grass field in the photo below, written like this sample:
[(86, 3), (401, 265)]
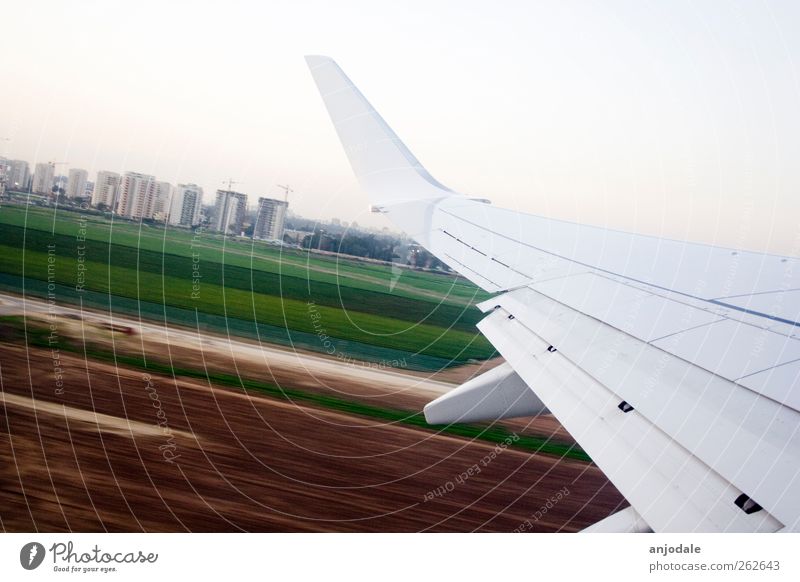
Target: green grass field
[(241, 287)]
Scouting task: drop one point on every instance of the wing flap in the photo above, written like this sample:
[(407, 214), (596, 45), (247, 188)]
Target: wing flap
[(748, 439), (670, 487)]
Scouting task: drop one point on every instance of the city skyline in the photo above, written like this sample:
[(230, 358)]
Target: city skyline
[(622, 115), (76, 181), (176, 205), (79, 176)]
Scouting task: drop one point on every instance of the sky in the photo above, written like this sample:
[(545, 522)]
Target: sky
[(678, 119)]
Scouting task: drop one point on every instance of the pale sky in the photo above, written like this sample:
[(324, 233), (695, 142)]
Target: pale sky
[(679, 119)]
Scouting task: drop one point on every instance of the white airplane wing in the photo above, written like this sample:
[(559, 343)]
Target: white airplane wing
[(676, 366)]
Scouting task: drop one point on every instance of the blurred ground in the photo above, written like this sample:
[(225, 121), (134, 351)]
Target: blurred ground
[(93, 455)]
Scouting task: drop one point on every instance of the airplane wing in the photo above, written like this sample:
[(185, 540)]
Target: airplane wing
[(675, 365)]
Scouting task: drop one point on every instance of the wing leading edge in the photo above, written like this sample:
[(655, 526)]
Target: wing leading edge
[(675, 365)]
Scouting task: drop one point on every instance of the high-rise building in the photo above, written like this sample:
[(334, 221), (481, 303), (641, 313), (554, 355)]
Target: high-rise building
[(137, 195), (229, 212), (186, 203), (76, 183), (162, 201), (60, 184), (17, 175), (4, 170), (269, 219), (43, 178), (105, 189)]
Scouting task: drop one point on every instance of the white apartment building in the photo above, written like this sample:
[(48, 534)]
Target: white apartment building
[(17, 175), (43, 178), (187, 200), (270, 218), (76, 183), (229, 212), (162, 201), (105, 189), (137, 195)]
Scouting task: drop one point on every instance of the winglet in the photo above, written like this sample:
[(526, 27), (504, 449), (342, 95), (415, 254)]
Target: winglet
[(384, 166)]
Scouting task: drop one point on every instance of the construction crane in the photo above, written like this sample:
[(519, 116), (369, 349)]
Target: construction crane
[(230, 182), (286, 191), (54, 164)]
